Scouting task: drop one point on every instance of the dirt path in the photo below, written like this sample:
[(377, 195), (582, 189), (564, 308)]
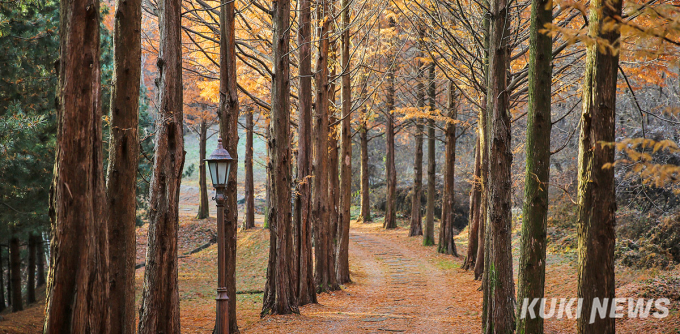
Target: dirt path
[(399, 287)]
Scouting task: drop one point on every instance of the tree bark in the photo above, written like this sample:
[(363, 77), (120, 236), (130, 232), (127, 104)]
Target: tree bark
[(160, 297), (229, 113), (428, 235), (365, 187), (473, 221), (30, 285), (447, 244), (280, 293), (40, 261), (320, 206), (2, 284), (596, 192), (342, 257), (77, 292), (531, 276), (416, 212), (15, 267), (333, 173), (305, 266), (203, 204), (122, 170), (249, 219), (500, 287), (391, 173)]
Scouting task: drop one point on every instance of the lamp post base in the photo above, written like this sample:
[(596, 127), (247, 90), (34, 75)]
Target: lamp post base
[(222, 323)]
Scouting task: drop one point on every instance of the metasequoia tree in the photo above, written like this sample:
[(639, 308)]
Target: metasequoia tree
[(446, 231), (122, 170), (596, 194), (280, 295), (391, 173), (303, 209), (416, 213), (321, 201), (228, 114), (499, 290), (77, 291), (333, 172), (342, 256), (428, 235), (531, 280), (473, 220), (160, 298)]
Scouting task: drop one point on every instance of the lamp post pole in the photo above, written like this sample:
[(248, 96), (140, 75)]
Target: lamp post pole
[(222, 320)]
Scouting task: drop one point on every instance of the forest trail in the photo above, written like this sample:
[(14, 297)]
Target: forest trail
[(398, 286)]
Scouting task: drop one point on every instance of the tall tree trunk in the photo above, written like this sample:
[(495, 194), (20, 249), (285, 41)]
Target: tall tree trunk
[(249, 219), (40, 261), (333, 175), (203, 204), (9, 277), (15, 267), (2, 284), (342, 257), (365, 187), (280, 293), (77, 292), (473, 221), (596, 195), (229, 113), (500, 287), (160, 297), (268, 185), (428, 236), (305, 265), (320, 206), (483, 124), (531, 276), (391, 173), (416, 212), (30, 285), (122, 170), (446, 233)]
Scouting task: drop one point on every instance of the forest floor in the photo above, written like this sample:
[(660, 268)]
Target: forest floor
[(397, 286)]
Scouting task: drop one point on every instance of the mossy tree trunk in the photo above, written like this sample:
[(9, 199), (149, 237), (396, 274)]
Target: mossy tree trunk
[(473, 221), (596, 192), (531, 276), (447, 244)]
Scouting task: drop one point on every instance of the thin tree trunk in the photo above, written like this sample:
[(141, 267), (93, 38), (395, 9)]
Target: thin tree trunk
[(416, 212), (77, 292), (280, 293), (30, 285), (122, 170), (500, 287), (229, 113), (2, 284), (446, 233), (305, 265), (15, 266), (320, 206), (249, 220), (473, 221), (596, 195), (9, 277), (391, 173), (160, 297), (268, 186), (333, 172), (203, 204), (342, 257), (531, 276), (428, 235), (40, 261), (365, 187)]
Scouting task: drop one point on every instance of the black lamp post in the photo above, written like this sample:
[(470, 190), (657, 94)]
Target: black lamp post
[(219, 164)]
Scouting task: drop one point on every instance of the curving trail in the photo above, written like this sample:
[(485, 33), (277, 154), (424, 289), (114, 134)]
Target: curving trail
[(398, 286)]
